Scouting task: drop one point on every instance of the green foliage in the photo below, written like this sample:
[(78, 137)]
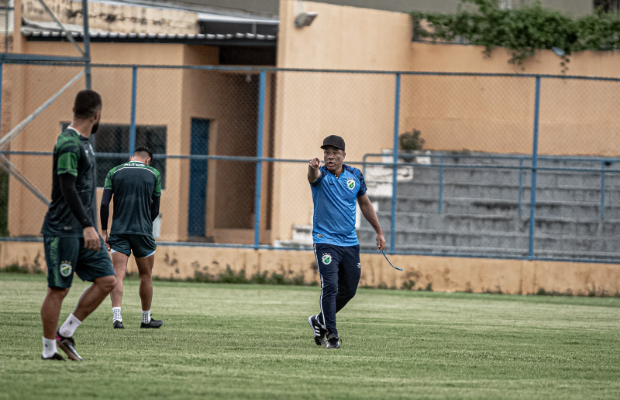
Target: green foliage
[(523, 30), (411, 141), (408, 285), (260, 278), (15, 269)]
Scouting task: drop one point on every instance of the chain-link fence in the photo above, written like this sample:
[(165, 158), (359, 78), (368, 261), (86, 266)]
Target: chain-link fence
[(509, 166)]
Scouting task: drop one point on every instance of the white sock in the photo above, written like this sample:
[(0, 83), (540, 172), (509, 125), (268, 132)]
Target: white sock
[(116, 314), (68, 328), (49, 347), (146, 316)]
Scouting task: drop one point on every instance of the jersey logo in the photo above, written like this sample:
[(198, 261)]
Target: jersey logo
[(327, 259), (65, 269), (351, 184)]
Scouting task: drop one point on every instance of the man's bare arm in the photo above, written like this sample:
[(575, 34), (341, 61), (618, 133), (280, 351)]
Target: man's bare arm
[(313, 170), (369, 213)]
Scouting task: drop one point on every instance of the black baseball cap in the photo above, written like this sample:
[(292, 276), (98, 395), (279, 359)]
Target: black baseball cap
[(335, 141)]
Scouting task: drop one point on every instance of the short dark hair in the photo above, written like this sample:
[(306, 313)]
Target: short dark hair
[(86, 103), (140, 150)]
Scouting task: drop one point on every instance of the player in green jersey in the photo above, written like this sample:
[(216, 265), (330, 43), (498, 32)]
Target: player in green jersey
[(71, 241), (136, 187)]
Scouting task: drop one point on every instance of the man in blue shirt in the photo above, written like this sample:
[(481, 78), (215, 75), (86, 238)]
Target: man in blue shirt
[(335, 189)]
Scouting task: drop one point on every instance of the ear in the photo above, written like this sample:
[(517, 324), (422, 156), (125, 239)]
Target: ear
[(344, 154)]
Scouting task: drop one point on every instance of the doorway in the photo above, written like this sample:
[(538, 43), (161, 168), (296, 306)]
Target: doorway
[(196, 224)]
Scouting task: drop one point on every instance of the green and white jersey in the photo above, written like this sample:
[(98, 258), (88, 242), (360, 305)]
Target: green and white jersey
[(73, 155), (133, 185)]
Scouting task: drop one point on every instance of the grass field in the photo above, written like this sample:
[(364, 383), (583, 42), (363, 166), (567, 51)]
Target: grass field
[(248, 341)]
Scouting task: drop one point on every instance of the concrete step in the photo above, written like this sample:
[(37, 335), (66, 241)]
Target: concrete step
[(505, 191), (498, 240), (498, 223), (544, 208), (500, 176)]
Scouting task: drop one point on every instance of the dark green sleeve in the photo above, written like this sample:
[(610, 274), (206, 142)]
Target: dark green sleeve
[(68, 156), (157, 191), (108, 180)]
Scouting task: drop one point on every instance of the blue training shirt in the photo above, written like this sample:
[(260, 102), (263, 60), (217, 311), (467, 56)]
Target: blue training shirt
[(334, 206)]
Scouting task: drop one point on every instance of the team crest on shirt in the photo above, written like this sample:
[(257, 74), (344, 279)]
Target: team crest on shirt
[(351, 184), (65, 269), (327, 258)]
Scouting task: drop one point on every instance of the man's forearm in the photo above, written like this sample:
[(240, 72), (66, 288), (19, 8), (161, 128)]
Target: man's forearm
[(155, 208), (313, 174), (369, 213)]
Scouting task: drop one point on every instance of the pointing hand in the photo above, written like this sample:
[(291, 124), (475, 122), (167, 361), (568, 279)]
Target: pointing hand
[(315, 163)]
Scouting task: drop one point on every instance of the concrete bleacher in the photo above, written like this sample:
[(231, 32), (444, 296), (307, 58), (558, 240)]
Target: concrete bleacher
[(480, 208)]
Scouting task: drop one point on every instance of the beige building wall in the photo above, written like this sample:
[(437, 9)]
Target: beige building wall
[(310, 106), (487, 114), (35, 84), (577, 117), (168, 97), (158, 103)]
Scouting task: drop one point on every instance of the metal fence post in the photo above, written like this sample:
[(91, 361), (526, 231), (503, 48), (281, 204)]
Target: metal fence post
[(394, 167), (132, 127), (530, 252), (602, 189), (1, 71), (259, 154), (86, 44), (520, 184), (440, 200)]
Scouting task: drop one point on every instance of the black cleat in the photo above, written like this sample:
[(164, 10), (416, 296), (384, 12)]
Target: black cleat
[(67, 344), (56, 357), (319, 333), (118, 325), (332, 341), (154, 324)]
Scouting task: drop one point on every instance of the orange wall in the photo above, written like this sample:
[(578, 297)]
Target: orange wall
[(344, 38), (453, 113), (159, 102), (577, 117), (310, 106), (487, 114), (170, 97)]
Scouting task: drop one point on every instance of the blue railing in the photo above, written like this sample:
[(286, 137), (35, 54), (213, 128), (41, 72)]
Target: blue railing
[(442, 165)]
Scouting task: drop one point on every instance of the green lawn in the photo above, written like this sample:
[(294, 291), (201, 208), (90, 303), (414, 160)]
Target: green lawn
[(246, 341)]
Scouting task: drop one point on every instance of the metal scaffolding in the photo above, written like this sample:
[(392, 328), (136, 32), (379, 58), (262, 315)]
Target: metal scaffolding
[(18, 58)]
